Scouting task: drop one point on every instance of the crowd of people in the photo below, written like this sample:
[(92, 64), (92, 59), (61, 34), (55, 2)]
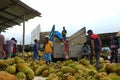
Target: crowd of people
[(8, 48)]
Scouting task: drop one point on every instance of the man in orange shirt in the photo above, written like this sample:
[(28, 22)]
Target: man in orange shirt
[(48, 47)]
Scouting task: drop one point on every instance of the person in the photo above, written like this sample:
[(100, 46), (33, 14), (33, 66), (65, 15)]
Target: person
[(96, 45), (14, 49), (35, 50), (48, 47), (86, 50), (113, 47), (2, 46), (9, 47), (66, 49), (64, 32)]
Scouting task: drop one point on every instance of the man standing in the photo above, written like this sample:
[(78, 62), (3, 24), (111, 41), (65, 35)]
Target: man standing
[(48, 48), (9, 47), (64, 32), (113, 47), (35, 50), (2, 47), (95, 47)]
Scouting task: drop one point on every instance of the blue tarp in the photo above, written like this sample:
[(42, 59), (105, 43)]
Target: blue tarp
[(58, 35)]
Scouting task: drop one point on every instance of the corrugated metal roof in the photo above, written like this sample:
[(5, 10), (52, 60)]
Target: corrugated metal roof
[(13, 11)]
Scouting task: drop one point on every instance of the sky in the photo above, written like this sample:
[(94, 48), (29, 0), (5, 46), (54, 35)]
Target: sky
[(102, 16)]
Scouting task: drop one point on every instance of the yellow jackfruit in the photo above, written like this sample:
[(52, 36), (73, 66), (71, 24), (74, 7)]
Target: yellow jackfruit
[(7, 76), (45, 73)]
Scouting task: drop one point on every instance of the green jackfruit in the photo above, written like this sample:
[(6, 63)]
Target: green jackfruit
[(22, 67), (52, 77), (21, 76), (11, 69), (30, 75), (114, 76), (67, 69), (39, 70)]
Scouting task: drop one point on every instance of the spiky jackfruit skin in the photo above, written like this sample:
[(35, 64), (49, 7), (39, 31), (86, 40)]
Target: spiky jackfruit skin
[(67, 69), (30, 75), (110, 68), (45, 73), (21, 76), (118, 68), (39, 70), (70, 77), (7, 76), (114, 76), (52, 77), (19, 60), (10, 61), (84, 62), (22, 67), (11, 69), (60, 73)]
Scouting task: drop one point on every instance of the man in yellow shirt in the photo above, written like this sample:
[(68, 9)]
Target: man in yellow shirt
[(48, 48)]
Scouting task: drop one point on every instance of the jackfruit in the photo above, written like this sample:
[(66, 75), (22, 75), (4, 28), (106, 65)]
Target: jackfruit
[(67, 69), (22, 67), (110, 68), (84, 62), (39, 70), (74, 66), (45, 73), (114, 76), (30, 75), (118, 68), (19, 60), (52, 77), (51, 70), (21, 76), (10, 61), (11, 69), (60, 73), (70, 77), (7, 76)]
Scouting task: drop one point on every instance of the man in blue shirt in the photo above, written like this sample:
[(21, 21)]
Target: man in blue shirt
[(35, 50)]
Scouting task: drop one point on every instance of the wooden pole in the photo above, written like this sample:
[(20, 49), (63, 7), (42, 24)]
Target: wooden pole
[(23, 47)]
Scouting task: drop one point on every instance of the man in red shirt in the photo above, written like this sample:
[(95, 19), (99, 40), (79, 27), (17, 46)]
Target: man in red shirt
[(95, 47)]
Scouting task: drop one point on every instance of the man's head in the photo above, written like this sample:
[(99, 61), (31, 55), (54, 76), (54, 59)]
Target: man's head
[(63, 27), (36, 41), (13, 39), (89, 32)]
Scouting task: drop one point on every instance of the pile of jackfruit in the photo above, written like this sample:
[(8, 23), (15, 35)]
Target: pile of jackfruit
[(26, 69)]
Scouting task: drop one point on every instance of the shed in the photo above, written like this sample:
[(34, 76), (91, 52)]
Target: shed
[(14, 12)]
